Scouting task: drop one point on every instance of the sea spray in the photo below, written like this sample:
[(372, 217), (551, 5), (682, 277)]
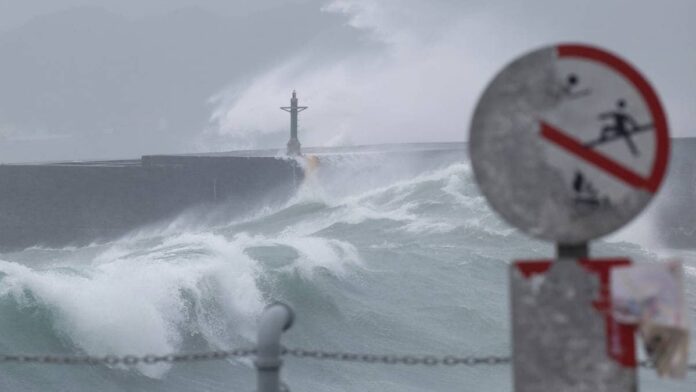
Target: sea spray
[(375, 255)]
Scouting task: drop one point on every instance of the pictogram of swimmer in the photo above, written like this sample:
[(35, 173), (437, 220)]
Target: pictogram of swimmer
[(570, 89), (622, 126)]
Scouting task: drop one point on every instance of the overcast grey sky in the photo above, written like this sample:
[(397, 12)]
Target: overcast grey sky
[(86, 79)]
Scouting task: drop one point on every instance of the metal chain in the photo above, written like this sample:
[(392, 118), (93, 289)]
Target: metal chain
[(427, 360), (128, 360), (388, 359)]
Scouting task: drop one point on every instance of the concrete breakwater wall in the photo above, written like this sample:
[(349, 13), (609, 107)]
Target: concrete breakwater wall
[(675, 214), (77, 203)]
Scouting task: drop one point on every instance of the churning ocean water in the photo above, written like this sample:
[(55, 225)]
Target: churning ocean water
[(375, 254)]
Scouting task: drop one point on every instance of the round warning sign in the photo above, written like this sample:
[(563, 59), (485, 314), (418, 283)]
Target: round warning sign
[(569, 143)]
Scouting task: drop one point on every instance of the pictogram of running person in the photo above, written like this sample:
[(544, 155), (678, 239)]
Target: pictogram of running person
[(622, 126)]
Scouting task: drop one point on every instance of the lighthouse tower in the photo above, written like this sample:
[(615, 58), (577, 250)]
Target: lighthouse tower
[(294, 147)]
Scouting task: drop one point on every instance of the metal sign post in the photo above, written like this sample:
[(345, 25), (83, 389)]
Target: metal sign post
[(564, 336), (569, 143)]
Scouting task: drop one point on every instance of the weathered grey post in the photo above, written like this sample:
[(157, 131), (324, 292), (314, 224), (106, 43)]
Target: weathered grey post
[(276, 318)]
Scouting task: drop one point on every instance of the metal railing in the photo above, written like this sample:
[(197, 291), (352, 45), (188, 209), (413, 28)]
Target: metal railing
[(268, 352)]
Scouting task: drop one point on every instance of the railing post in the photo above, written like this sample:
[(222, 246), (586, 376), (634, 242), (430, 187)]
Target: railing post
[(276, 318)]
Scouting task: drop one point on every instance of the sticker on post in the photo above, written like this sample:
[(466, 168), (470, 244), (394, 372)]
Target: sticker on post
[(651, 296)]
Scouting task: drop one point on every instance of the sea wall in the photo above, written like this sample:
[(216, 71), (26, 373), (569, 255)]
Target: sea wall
[(676, 201), (62, 204)]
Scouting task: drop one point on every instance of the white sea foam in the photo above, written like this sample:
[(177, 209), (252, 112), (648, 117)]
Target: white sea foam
[(391, 202), (395, 201), (313, 252), (131, 300), (136, 302), (690, 270), (429, 226)]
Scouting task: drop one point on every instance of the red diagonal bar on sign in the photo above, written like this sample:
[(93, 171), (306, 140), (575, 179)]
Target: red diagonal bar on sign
[(646, 91), (605, 163)]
